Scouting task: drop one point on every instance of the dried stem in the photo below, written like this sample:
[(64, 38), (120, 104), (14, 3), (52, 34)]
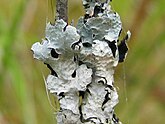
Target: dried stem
[(62, 10)]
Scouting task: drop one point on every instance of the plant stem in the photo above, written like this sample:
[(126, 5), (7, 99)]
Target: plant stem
[(62, 10)]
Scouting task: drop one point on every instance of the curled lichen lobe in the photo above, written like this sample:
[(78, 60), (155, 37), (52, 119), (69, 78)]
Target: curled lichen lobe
[(82, 60)]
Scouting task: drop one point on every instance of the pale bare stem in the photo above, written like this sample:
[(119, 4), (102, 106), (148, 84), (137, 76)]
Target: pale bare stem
[(51, 11), (62, 10)]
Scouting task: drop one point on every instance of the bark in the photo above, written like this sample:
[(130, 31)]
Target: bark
[(62, 10)]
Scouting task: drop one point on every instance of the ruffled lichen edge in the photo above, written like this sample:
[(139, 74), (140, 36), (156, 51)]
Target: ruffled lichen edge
[(82, 61)]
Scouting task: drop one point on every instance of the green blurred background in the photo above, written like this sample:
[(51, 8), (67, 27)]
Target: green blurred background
[(140, 80)]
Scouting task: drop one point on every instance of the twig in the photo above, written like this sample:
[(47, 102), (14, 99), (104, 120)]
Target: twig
[(62, 10)]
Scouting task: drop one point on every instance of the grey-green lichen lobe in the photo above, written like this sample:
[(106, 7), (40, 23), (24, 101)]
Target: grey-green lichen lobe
[(82, 62), (107, 27), (61, 36), (58, 40)]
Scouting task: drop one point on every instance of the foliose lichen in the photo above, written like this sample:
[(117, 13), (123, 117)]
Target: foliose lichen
[(82, 61)]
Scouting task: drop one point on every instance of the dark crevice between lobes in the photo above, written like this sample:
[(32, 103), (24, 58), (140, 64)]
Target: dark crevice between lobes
[(62, 95), (54, 54), (82, 94), (80, 62), (64, 29), (120, 32), (112, 45), (81, 114), (86, 6), (97, 10), (74, 74), (73, 46), (82, 118), (110, 87), (103, 80), (123, 49), (52, 71), (115, 119), (75, 58), (105, 100), (86, 44)]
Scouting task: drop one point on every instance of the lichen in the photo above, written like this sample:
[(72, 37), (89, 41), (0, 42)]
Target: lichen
[(82, 61)]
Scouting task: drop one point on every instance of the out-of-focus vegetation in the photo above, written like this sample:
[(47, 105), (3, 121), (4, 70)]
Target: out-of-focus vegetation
[(140, 80)]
